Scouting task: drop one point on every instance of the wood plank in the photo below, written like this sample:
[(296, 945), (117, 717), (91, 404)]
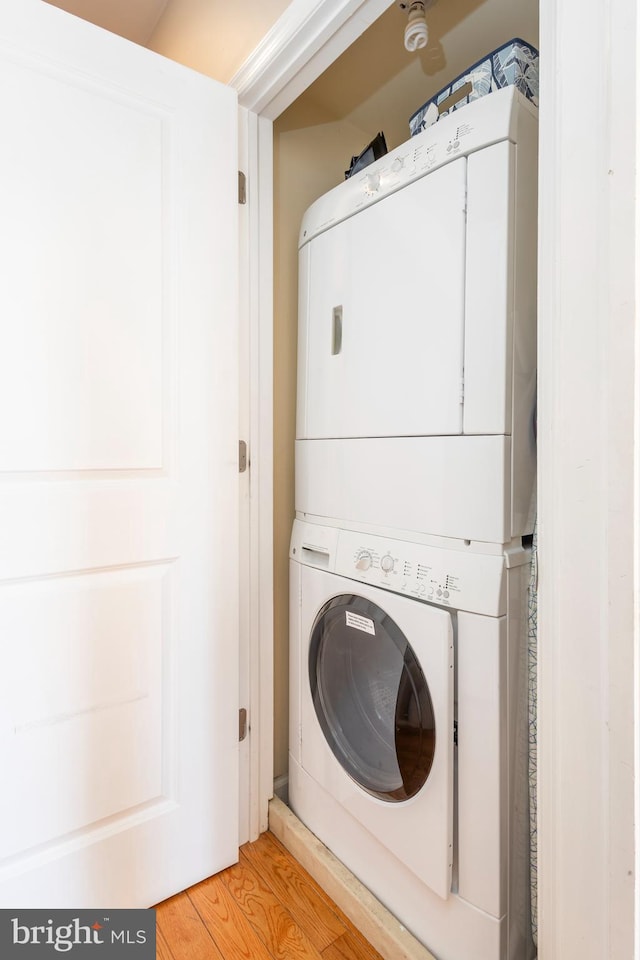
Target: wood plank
[(181, 926), (361, 942), (266, 908), (232, 932), (350, 947), (163, 951), (272, 922), (308, 905), (381, 929)]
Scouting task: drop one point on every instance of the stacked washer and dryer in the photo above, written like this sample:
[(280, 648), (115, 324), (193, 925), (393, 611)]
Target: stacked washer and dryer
[(415, 473)]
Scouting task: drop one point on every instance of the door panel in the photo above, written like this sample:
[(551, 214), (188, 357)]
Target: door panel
[(395, 366), (83, 357), (114, 712), (118, 469)]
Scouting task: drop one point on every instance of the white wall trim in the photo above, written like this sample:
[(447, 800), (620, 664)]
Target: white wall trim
[(303, 42), (636, 578), (256, 514), (248, 777), (586, 451), (256, 427), (282, 66), (262, 417)]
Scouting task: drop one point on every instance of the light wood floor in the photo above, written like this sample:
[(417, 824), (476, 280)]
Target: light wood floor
[(266, 907)]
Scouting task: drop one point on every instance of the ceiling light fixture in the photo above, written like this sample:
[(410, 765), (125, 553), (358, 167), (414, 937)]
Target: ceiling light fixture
[(416, 34)]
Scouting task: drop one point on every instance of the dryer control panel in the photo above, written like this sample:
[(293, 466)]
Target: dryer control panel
[(485, 121), (451, 578)]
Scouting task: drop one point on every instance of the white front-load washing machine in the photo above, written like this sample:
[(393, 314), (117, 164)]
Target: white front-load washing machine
[(408, 736)]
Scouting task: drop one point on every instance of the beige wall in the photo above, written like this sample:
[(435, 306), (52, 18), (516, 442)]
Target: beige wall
[(311, 153)]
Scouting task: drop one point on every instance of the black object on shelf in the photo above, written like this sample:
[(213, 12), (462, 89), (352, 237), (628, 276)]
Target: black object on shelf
[(376, 149)]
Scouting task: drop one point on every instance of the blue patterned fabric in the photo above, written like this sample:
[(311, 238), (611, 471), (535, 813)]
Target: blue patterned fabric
[(533, 730), (514, 64)]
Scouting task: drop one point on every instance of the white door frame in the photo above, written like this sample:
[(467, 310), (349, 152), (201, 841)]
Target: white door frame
[(588, 440), (588, 312), (306, 39), (256, 428)]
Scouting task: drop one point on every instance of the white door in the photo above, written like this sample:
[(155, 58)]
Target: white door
[(384, 311), (118, 468)]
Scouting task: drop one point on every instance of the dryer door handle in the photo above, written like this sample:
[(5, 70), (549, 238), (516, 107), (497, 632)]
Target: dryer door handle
[(336, 331)]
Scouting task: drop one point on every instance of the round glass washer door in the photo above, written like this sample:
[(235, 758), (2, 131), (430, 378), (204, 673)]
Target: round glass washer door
[(371, 698)]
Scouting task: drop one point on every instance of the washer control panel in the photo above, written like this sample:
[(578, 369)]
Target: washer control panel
[(463, 580)]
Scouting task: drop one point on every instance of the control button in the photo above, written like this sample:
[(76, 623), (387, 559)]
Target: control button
[(439, 592), (456, 144), (387, 563), (397, 164), (364, 561), (445, 593)]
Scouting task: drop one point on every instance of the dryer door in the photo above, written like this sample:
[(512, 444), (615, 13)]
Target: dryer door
[(381, 316), (377, 715)]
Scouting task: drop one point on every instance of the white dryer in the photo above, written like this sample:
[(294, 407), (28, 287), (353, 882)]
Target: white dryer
[(417, 333), (408, 732)]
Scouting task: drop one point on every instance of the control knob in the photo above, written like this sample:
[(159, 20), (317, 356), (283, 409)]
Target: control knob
[(387, 563), (364, 560)]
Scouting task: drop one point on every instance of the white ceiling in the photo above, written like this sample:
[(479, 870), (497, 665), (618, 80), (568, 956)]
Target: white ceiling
[(133, 19), (214, 37)]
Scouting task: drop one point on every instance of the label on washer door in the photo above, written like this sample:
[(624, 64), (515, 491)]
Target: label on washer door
[(360, 623)]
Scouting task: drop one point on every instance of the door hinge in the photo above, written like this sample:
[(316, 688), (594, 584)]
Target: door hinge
[(242, 187), (242, 724), (242, 456), (455, 733)]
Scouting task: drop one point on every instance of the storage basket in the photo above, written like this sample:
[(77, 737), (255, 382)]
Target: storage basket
[(515, 63)]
